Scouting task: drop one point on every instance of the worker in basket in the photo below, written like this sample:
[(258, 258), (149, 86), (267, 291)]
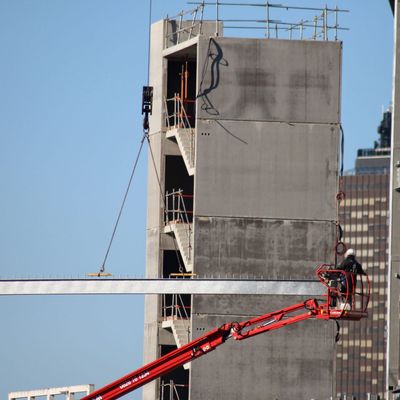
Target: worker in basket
[(348, 280)]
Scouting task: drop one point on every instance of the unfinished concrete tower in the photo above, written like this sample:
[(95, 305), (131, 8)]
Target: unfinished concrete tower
[(244, 139)]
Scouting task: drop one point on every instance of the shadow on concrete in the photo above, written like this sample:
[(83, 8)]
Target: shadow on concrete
[(215, 54), (230, 133)]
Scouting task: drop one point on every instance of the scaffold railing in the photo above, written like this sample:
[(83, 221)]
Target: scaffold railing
[(177, 213), (174, 307), (318, 23), (175, 112), (176, 117), (186, 28), (175, 207), (170, 390)]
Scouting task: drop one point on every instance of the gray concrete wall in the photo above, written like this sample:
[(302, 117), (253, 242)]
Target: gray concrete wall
[(289, 363), (265, 185), (295, 361), (269, 80), (266, 169), (274, 249)]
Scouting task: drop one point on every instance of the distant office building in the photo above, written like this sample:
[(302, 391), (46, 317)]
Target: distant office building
[(364, 214), (377, 160)]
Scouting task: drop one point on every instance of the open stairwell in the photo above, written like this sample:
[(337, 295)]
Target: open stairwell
[(184, 237), (184, 138), (180, 331)]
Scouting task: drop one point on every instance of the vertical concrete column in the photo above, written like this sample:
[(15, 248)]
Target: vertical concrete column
[(393, 344), (154, 200)]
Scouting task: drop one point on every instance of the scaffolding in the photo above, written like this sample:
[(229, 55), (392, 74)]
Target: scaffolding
[(320, 23), (171, 390), (175, 207)]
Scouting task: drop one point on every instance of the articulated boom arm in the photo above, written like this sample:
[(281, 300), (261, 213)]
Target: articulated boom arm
[(207, 343), (327, 274), (163, 365)]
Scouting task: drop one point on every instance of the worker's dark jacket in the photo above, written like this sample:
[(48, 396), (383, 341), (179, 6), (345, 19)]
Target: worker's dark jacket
[(353, 268), (350, 264)]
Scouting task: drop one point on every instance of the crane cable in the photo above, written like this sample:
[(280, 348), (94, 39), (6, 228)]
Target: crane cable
[(340, 247), (145, 134), (148, 41), (144, 137), (103, 265), (162, 195)]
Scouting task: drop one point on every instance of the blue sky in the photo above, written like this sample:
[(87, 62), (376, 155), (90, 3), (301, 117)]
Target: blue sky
[(70, 126)]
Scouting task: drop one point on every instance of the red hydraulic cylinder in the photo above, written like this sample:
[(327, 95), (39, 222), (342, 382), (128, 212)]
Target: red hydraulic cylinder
[(163, 365), (275, 320)]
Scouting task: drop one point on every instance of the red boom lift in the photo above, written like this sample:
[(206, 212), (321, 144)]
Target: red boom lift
[(357, 302)]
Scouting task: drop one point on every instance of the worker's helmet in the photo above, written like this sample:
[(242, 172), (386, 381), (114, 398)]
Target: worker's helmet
[(349, 252)]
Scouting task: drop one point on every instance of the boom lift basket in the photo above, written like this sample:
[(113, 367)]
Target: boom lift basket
[(348, 293)]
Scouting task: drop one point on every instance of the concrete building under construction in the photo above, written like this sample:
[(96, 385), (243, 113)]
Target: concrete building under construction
[(242, 182), (243, 185)]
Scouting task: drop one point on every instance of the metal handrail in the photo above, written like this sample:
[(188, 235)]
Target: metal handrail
[(320, 25), (179, 115), (185, 118), (175, 205), (189, 29), (180, 120), (176, 310), (184, 314), (174, 386), (184, 211), (179, 212), (167, 116), (342, 285)]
